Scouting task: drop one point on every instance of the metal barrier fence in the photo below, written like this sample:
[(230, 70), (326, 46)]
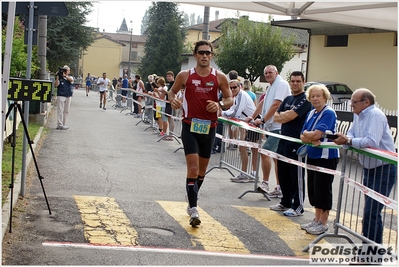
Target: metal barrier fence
[(238, 154), (148, 112), (244, 157), (354, 189)]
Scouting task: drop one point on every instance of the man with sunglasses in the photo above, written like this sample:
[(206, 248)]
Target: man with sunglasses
[(200, 113), (243, 106), (370, 129)]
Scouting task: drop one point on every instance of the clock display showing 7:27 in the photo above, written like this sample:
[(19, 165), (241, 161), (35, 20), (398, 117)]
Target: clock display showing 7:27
[(29, 90)]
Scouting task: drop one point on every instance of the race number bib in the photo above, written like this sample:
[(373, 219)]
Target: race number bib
[(200, 126)]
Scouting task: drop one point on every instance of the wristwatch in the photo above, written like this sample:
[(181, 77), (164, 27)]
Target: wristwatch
[(349, 142), (221, 104)]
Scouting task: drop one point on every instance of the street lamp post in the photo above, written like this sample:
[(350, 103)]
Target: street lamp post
[(130, 50)]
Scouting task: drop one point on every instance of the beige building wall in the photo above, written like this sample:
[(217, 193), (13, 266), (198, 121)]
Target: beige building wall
[(194, 36), (369, 60), (102, 56)]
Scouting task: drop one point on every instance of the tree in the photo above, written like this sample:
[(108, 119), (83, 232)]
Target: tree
[(144, 23), (19, 53), (186, 20), (165, 38), (199, 19), (248, 46), (192, 19), (67, 36)]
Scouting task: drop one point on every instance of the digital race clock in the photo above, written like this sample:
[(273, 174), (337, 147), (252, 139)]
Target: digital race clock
[(29, 90)]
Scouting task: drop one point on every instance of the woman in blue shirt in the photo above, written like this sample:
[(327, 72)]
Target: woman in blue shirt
[(320, 120)]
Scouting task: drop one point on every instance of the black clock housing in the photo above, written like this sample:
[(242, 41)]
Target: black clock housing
[(29, 90)]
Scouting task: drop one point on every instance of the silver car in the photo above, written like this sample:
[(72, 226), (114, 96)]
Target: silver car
[(340, 92)]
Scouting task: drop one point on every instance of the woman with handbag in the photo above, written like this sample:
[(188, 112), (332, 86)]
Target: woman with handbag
[(320, 120)]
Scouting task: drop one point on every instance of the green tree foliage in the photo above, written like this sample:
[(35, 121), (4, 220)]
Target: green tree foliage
[(199, 19), (144, 23), (186, 20), (192, 19), (248, 46), (67, 36), (19, 53), (165, 38)]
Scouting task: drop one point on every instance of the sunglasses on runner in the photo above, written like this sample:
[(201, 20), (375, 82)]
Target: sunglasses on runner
[(204, 52)]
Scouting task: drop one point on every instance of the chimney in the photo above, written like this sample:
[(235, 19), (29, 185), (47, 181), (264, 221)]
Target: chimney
[(216, 14)]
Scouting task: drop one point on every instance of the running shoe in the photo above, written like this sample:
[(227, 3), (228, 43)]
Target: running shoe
[(292, 213), (194, 217), (317, 229), (242, 178), (278, 207), (264, 187), (309, 225), (276, 193)]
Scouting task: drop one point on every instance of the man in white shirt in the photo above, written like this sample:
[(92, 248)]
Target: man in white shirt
[(370, 129), (242, 108), (279, 89), (103, 84)]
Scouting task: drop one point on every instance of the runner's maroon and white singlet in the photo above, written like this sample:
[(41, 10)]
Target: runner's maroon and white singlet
[(198, 90)]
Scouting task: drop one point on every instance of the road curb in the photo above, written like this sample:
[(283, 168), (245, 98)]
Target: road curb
[(5, 216)]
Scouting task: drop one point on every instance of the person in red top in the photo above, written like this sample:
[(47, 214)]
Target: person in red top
[(200, 113)]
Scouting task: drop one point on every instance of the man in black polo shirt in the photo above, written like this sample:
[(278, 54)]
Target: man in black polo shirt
[(292, 115)]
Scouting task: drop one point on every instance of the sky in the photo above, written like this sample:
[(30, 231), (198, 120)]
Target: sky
[(108, 15)]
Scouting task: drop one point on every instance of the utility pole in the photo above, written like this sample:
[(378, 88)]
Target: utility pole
[(130, 48), (205, 31)]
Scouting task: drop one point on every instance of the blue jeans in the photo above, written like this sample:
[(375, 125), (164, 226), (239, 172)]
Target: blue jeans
[(380, 179)]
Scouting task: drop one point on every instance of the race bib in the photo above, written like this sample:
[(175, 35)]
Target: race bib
[(200, 126)]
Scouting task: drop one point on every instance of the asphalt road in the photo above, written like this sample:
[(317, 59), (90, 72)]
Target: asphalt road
[(117, 198)]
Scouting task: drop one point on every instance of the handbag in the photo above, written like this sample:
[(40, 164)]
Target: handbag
[(302, 151)]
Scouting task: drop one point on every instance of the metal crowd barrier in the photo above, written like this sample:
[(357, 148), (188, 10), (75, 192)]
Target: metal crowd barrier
[(238, 154), (147, 115), (352, 191), (352, 195)]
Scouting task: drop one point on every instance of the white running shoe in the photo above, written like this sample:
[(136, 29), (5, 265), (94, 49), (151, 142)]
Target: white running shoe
[(194, 217), (276, 193), (278, 207), (264, 187)]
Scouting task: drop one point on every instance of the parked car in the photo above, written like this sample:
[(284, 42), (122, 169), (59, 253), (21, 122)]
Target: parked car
[(340, 92)]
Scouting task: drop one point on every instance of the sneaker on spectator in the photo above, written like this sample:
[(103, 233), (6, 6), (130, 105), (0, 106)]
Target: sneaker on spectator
[(194, 217), (292, 213), (264, 187), (278, 207), (317, 229), (155, 131), (250, 179), (241, 178), (276, 193), (309, 225), (161, 134)]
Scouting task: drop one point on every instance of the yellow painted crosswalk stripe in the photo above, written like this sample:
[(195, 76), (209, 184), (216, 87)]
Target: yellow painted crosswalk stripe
[(289, 231), (104, 221), (212, 235)]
